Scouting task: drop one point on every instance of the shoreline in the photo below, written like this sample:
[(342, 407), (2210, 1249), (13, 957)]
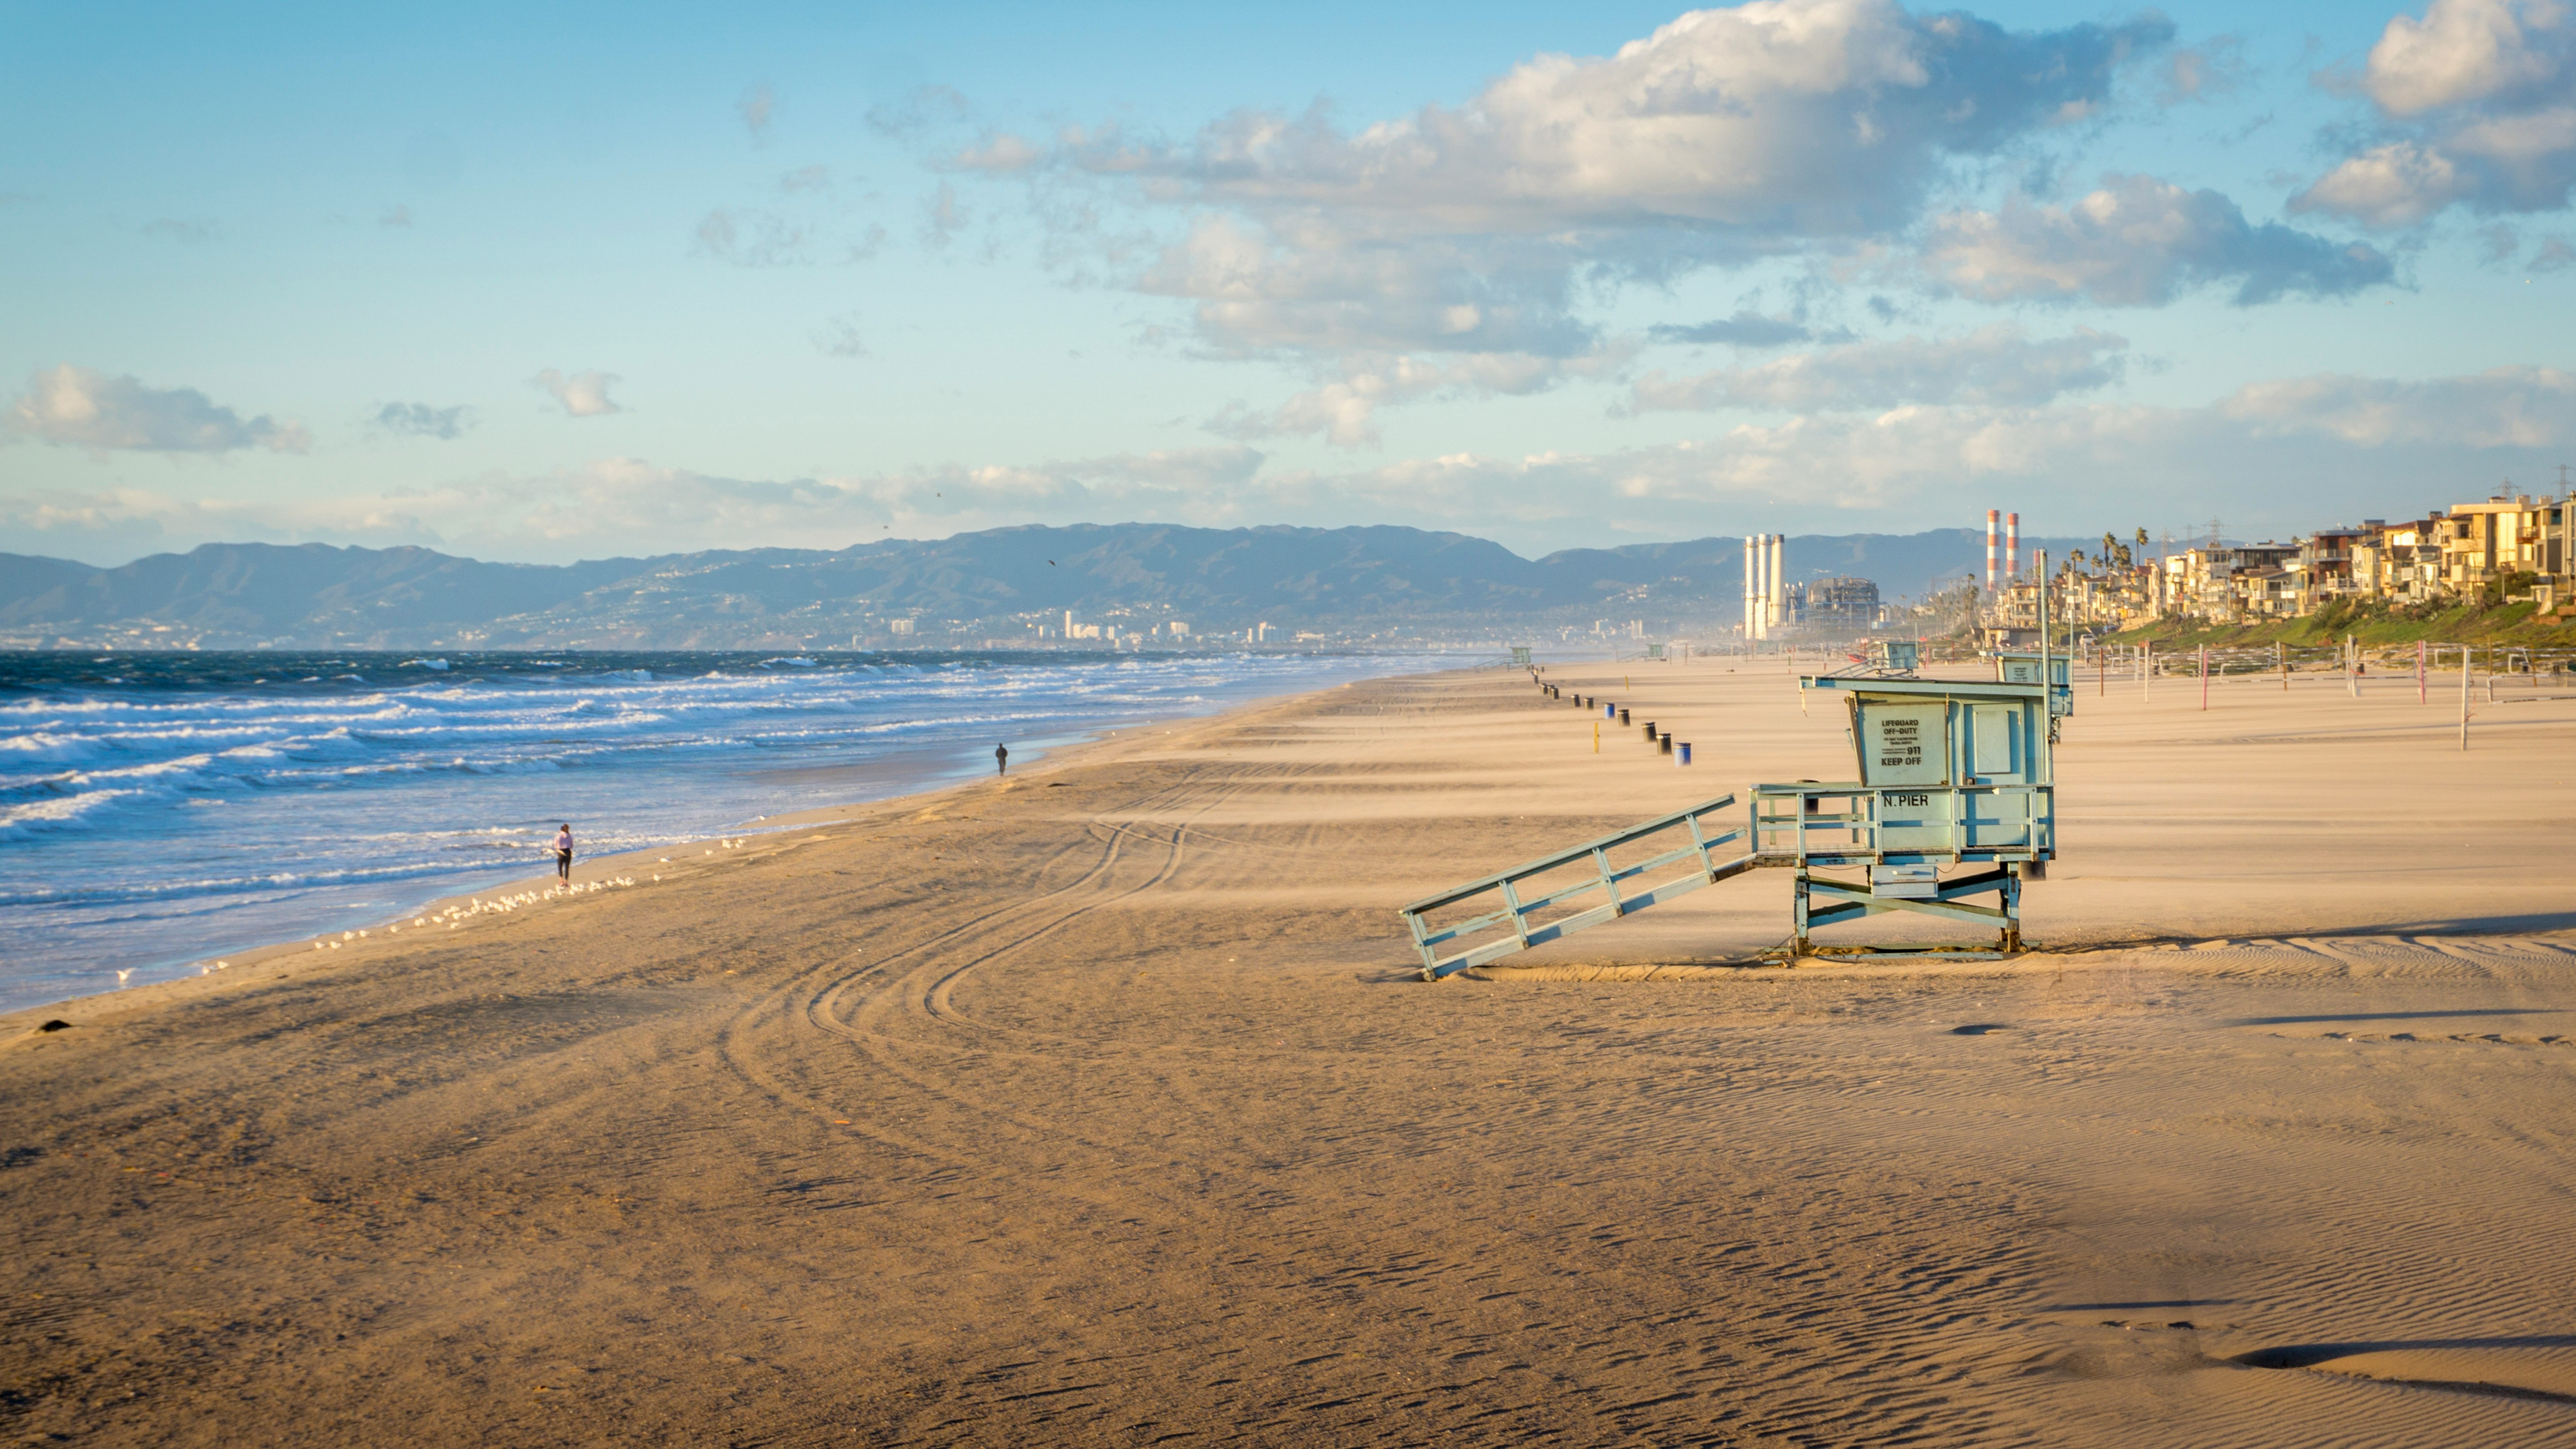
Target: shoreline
[(940, 775), (301, 948)]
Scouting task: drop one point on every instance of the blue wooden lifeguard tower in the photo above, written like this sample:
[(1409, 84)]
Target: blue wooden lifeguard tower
[(1954, 798), (1952, 776)]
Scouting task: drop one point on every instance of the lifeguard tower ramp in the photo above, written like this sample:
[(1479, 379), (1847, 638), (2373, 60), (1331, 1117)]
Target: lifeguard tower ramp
[(1577, 888), (1954, 776)]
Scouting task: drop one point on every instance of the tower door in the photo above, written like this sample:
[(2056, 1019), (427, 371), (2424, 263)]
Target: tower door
[(1998, 753)]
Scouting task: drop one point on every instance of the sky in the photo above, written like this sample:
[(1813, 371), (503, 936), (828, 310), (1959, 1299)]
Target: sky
[(548, 283)]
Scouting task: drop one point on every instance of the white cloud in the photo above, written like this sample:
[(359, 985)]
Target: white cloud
[(76, 407), (1797, 118), (839, 337), (2205, 72), (923, 110), (2506, 407), (396, 216), (1729, 134), (632, 505), (583, 394), (756, 107), (2474, 105), (2139, 241), (751, 238), (1997, 366), (2462, 51), (1255, 292), (1001, 152), (422, 420), (2398, 184), (943, 216), (1746, 328), (1344, 409), (2282, 456)]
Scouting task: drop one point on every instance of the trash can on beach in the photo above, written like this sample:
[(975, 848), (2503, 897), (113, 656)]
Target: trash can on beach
[(1681, 754)]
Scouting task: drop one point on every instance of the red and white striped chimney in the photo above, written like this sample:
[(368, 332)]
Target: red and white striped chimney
[(1992, 518), (2012, 545)]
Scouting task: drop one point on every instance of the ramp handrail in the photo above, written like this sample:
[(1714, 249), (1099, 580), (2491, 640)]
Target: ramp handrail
[(1516, 913), (1936, 824)]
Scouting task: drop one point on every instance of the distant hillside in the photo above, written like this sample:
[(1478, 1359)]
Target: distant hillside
[(1354, 583)]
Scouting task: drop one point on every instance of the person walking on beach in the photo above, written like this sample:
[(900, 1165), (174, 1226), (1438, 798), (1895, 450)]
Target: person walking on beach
[(1001, 759), (563, 853)]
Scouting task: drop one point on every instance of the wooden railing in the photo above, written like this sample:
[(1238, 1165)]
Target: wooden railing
[(1519, 921)]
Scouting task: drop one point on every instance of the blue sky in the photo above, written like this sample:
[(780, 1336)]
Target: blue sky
[(596, 281)]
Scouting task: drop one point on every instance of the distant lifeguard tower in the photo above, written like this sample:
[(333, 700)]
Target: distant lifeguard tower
[(2016, 667)]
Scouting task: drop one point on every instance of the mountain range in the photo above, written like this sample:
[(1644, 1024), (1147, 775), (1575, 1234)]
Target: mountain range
[(1347, 584)]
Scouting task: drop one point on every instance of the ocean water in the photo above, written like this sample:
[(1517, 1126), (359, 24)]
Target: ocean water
[(157, 811)]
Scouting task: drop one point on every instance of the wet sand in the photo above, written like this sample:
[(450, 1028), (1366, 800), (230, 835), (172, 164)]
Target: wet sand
[(1105, 1106)]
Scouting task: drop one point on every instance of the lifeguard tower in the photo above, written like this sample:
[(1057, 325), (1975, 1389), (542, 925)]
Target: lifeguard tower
[(1955, 799), (1953, 776), (1883, 659), (2014, 667)]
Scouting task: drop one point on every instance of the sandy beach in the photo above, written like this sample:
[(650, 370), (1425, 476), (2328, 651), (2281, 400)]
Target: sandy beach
[(1105, 1105)]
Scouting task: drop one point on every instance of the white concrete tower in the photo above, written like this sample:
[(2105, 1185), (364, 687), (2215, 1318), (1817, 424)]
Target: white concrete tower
[(1749, 582), (1762, 600), (1778, 581), (1761, 585)]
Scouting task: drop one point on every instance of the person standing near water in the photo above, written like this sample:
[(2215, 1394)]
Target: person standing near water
[(563, 853), (1001, 759)]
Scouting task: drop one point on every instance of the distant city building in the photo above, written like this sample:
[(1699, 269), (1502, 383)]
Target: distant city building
[(2511, 548), (899, 626), (1841, 603)]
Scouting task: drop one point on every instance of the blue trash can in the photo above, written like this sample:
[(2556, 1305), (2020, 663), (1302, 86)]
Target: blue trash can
[(1681, 753)]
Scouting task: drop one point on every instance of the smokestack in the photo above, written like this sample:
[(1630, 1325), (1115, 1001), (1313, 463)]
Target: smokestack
[(1750, 570), (2012, 545), (1761, 586), (1777, 607), (1994, 521)]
